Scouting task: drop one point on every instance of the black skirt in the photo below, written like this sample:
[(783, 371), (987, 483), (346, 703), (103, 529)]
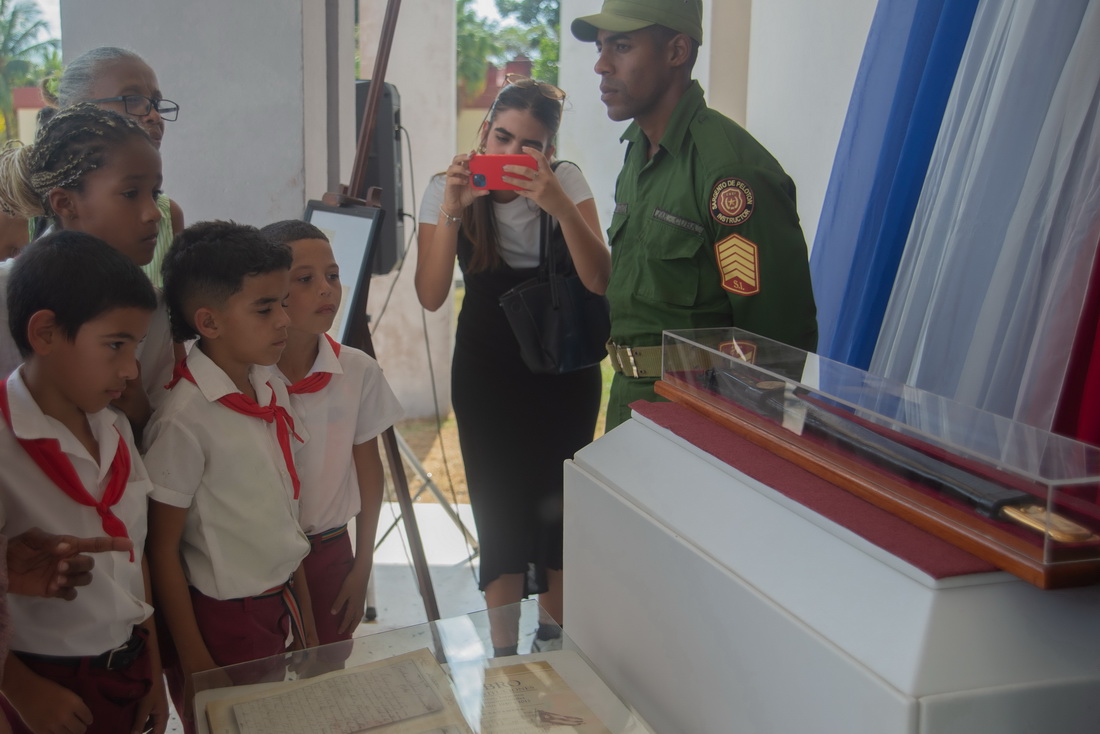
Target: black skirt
[(516, 429)]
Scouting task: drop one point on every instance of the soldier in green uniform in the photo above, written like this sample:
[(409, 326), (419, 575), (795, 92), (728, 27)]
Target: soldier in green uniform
[(705, 231)]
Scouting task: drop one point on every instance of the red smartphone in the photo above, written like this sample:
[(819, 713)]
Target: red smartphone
[(486, 171)]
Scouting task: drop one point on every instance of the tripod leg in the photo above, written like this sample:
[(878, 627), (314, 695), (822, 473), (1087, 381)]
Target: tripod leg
[(427, 483), (412, 530)]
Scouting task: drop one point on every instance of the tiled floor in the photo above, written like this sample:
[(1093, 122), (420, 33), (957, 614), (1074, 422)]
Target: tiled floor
[(396, 599)]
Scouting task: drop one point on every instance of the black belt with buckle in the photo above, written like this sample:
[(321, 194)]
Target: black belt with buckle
[(120, 658)]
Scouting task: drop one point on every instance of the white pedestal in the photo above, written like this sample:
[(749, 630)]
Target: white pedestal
[(716, 604)]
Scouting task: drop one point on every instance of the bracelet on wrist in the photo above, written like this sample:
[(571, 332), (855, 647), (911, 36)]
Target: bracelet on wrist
[(450, 220)]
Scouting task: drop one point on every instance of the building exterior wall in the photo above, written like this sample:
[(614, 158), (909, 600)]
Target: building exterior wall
[(27, 119)]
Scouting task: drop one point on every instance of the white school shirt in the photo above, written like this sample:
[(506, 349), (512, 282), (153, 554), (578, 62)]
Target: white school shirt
[(241, 535), (518, 220), (355, 406), (104, 613), (154, 353)]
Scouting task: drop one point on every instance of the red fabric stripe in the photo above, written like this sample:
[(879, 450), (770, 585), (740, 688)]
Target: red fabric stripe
[(47, 454), (273, 413), (318, 380), (938, 558)]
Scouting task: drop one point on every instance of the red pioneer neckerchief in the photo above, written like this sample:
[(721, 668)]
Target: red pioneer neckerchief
[(241, 403), (47, 454), (318, 380)]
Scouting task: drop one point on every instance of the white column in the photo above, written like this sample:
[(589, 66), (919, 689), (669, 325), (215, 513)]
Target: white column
[(803, 62), (587, 137), (422, 67)]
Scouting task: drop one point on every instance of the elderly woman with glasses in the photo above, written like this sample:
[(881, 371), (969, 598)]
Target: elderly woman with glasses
[(120, 80), (515, 427)]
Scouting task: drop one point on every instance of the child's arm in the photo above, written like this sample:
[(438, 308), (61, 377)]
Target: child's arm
[(351, 600), (172, 594), (42, 564), (44, 705), (152, 712)]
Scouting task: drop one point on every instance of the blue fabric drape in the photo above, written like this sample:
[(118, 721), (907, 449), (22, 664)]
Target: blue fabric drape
[(990, 288), (901, 90)]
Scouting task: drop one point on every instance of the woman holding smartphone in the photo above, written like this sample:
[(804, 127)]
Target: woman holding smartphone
[(515, 427)]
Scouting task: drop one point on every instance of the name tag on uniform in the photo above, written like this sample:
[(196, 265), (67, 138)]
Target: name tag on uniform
[(676, 221)]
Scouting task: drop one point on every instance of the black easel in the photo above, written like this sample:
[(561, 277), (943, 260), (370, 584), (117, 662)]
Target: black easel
[(357, 196)]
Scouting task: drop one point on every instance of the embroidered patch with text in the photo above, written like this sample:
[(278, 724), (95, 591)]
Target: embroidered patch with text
[(731, 202), (740, 348), (739, 265)]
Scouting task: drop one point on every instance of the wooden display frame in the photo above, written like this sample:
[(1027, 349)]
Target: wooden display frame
[(884, 490)]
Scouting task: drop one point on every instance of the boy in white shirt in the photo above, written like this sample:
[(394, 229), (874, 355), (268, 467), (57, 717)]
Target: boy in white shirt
[(344, 400), (225, 546), (78, 310)]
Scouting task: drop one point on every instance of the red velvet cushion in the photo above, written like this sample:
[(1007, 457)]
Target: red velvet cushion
[(937, 558)]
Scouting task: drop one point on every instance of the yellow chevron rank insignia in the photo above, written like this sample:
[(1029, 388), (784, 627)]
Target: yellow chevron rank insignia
[(739, 264)]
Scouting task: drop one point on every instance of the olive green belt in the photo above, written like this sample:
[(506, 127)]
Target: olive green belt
[(635, 361), (648, 361)]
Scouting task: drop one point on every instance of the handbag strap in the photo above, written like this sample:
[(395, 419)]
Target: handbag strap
[(547, 263), (547, 260)]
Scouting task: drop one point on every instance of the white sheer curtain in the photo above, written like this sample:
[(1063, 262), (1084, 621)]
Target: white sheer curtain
[(994, 273)]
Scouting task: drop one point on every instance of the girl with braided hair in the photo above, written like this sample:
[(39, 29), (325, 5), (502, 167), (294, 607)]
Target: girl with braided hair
[(119, 80), (94, 171)]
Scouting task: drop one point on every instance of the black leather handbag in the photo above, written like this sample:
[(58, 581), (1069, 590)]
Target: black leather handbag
[(560, 325)]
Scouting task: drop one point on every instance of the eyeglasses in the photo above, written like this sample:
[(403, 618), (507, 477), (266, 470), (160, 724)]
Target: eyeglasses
[(139, 105), (545, 88)]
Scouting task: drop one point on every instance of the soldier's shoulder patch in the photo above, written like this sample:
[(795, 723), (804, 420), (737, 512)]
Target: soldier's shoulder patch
[(731, 202), (739, 264)]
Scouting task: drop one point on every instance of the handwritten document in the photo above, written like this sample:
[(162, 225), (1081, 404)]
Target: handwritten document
[(530, 698), (407, 694), (344, 705)]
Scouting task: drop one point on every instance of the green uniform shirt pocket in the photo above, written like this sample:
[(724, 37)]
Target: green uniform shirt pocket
[(618, 219), (671, 271)]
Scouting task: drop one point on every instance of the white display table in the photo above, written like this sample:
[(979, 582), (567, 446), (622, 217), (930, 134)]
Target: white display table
[(717, 604)]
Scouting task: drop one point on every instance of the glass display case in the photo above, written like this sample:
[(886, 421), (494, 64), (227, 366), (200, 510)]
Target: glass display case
[(1020, 497), (435, 678)]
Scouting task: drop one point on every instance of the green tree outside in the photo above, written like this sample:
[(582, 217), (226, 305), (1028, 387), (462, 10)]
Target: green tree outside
[(476, 43), (539, 23), (535, 33), (23, 57)]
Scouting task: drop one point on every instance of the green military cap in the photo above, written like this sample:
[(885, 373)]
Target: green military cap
[(623, 16)]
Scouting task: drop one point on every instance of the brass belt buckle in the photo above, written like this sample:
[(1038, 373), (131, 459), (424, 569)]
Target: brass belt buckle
[(633, 363), (613, 350)]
